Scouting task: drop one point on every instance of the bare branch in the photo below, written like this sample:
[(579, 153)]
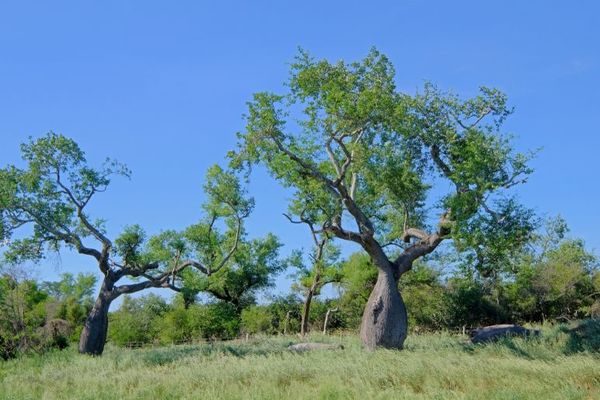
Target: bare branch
[(414, 233), (93, 230), (341, 233), (334, 162), (231, 251), (435, 154)]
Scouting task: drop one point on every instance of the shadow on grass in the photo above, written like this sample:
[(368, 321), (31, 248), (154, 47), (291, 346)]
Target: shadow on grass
[(583, 336), (167, 355)]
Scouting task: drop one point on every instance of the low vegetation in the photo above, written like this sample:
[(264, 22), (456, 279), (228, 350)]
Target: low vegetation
[(562, 364)]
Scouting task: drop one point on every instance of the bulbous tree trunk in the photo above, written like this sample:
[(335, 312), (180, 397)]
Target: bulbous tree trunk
[(384, 322), (93, 335)]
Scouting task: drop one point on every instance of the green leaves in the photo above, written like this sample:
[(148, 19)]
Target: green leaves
[(226, 197), (350, 145), (496, 239), (51, 193), (251, 268), (128, 245)]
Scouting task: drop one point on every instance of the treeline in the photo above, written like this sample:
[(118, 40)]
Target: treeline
[(554, 279)]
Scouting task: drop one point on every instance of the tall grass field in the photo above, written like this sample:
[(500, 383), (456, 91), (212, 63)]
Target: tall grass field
[(563, 363)]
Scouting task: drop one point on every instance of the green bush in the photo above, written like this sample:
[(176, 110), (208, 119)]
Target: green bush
[(138, 320), (256, 319), (210, 321)]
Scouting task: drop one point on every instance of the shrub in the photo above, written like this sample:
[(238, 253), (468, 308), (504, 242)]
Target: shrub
[(256, 319)]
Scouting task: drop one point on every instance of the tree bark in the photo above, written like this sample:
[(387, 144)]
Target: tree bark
[(326, 322), (305, 313), (384, 322), (93, 335), (286, 323)]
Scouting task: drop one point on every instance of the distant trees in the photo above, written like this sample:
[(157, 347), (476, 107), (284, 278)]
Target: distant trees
[(138, 320), (73, 298), (22, 315), (556, 279)]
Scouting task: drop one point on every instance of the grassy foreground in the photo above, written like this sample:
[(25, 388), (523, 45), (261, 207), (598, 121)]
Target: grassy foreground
[(435, 366)]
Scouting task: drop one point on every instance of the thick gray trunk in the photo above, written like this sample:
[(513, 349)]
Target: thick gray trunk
[(384, 322), (93, 335)]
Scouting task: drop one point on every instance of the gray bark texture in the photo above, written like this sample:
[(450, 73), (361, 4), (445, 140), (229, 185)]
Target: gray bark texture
[(384, 322), (327, 315), (93, 335)]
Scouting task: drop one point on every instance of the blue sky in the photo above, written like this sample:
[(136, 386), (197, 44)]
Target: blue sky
[(162, 86)]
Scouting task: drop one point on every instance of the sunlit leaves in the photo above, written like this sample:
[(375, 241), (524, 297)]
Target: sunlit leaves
[(345, 124), (252, 267), (496, 239), (128, 245), (50, 194), (226, 197)]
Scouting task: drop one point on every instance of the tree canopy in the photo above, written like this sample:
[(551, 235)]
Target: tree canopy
[(388, 170), (51, 196)]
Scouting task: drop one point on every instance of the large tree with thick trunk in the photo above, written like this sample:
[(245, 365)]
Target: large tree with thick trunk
[(394, 173), (51, 196)]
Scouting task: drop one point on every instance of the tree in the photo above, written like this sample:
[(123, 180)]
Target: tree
[(22, 315), (323, 270), (365, 157), (51, 196), (555, 278), (250, 269), (72, 299)]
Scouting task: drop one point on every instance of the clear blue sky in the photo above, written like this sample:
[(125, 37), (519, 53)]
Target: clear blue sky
[(162, 86)]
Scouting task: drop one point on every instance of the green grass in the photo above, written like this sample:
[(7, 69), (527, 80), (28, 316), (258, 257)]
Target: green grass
[(434, 366)]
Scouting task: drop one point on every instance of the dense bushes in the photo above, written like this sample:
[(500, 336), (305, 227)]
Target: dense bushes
[(34, 318), (556, 281), (149, 319)]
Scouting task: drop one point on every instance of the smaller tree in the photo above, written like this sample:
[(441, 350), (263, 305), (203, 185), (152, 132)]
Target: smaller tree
[(73, 299), (555, 277), (251, 269), (256, 319), (22, 316), (323, 268)]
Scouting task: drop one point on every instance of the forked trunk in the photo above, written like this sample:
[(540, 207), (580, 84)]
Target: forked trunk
[(93, 335), (384, 322)]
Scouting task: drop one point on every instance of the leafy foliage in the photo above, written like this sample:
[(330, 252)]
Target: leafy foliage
[(358, 148)]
